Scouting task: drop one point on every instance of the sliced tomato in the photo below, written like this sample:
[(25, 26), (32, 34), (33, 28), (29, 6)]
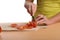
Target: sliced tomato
[(29, 25), (14, 25), (0, 29)]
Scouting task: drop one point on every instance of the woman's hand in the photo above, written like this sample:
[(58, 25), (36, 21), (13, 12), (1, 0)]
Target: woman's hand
[(30, 7), (41, 19)]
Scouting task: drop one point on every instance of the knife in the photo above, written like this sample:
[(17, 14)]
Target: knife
[(33, 19)]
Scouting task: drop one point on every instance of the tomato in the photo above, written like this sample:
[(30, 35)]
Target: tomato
[(33, 23), (25, 26), (20, 28), (29, 25), (0, 29), (14, 25)]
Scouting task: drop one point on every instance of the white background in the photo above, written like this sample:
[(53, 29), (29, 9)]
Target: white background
[(13, 11)]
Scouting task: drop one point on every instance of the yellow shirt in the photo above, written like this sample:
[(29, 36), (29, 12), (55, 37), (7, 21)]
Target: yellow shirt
[(49, 8)]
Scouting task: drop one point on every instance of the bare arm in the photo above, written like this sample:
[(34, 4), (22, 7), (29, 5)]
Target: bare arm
[(54, 19), (50, 21)]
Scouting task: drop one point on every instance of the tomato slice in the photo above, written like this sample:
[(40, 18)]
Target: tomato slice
[(29, 25), (14, 25), (0, 29), (33, 23)]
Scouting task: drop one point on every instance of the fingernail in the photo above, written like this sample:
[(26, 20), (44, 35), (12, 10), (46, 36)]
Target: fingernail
[(40, 19)]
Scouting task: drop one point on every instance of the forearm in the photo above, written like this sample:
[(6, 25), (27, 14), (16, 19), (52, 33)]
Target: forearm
[(54, 19)]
